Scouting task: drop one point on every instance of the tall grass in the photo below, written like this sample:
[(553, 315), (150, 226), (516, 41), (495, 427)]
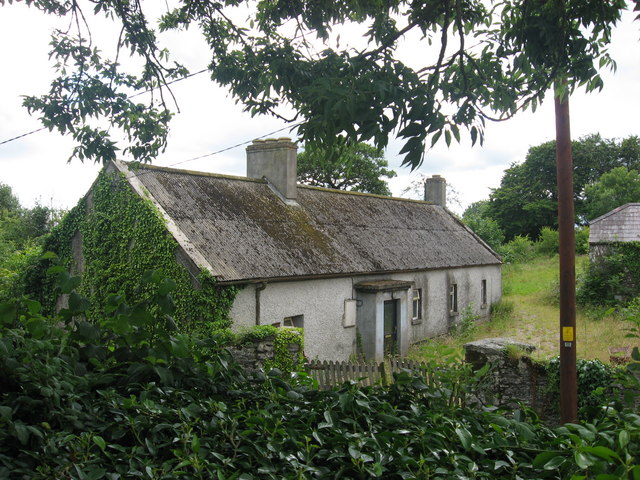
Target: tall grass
[(528, 312)]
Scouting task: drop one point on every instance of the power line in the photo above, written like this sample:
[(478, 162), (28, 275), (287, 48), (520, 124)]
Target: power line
[(233, 146), (173, 81), (223, 149), (132, 96), (23, 135)]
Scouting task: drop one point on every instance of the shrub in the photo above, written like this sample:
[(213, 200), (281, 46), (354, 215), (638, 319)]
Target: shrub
[(582, 240), (466, 323), (548, 242), (254, 334), (613, 278), (595, 385), (552, 292), (123, 397), (520, 249)]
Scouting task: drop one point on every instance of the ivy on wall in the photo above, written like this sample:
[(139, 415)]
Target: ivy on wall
[(284, 359), (122, 236)]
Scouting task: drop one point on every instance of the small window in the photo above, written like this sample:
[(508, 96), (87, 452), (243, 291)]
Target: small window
[(295, 321), (483, 292), (417, 304), (453, 298)]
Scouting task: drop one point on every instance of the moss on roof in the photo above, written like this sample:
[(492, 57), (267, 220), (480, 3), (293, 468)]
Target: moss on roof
[(247, 232)]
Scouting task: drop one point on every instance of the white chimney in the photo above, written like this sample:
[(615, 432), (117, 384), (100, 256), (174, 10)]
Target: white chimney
[(277, 161), (435, 190)]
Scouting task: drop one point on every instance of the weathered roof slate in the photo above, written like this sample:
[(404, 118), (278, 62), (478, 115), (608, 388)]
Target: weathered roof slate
[(621, 224), (246, 232)]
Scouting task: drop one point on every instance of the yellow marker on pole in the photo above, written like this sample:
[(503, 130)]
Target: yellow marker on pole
[(567, 334)]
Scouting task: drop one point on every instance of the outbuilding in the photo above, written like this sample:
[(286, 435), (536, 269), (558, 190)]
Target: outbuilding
[(621, 224)]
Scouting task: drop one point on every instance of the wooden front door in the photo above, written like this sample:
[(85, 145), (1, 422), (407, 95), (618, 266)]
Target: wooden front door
[(390, 327)]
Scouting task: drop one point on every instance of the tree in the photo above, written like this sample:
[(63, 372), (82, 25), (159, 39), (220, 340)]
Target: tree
[(478, 61), (614, 188), (477, 218), (531, 187), (21, 233), (9, 203), (358, 168), (630, 152)]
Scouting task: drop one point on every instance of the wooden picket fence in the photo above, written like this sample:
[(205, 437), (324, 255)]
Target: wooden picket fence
[(329, 373)]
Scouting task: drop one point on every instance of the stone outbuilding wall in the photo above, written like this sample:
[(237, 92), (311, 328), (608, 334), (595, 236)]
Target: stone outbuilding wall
[(513, 378)]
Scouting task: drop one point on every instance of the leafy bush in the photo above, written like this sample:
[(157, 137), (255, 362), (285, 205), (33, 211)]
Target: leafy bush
[(465, 325), (548, 242), (595, 384), (582, 240), (13, 265), (632, 381), (123, 396), (552, 292), (520, 249), (613, 278)]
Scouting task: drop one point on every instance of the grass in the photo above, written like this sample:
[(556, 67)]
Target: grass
[(530, 289)]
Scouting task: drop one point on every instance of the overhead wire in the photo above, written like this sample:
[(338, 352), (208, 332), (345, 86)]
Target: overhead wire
[(23, 135), (132, 96), (142, 93), (233, 146), (182, 161)]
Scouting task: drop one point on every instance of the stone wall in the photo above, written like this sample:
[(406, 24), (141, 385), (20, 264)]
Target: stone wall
[(514, 377), (253, 356)]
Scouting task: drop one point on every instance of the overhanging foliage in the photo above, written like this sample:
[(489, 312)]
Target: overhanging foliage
[(477, 61)]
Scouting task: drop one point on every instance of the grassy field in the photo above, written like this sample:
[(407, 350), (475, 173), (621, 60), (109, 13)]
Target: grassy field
[(532, 289)]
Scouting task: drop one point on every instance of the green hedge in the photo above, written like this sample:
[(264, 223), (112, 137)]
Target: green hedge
[(110, 399)]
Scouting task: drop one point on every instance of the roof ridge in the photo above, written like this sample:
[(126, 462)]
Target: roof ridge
[(614, 211), (134, 167), (364, 194)]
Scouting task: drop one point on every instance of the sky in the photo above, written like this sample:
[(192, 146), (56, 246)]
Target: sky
[(36, 168)]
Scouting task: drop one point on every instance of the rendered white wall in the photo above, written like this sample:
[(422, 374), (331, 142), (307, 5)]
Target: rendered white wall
[(322, 302)]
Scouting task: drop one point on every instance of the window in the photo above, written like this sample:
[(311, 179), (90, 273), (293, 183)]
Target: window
[(453, 298), (417, 304), (296, 321), (483, 292)]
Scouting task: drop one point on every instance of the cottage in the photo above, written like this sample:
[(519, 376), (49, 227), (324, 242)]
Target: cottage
[(621, 224), (359, 272)]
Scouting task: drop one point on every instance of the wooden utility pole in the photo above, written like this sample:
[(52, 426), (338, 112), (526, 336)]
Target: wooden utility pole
[(566, 229)]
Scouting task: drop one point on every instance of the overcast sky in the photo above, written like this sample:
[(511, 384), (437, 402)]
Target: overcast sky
[(36, 167)]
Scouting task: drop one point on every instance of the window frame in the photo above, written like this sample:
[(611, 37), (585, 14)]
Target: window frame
[(416, 305), (453, 298), (293, 321), (483, 292)]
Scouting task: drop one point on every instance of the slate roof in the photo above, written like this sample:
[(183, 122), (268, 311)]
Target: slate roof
[(246, 232), (621, 224)]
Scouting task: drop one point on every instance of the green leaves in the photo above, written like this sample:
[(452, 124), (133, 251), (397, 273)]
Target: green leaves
[(475, 63), (359, 168), (152, 407)]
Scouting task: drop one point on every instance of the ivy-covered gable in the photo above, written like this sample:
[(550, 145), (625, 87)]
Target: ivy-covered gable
[(111, 238)]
